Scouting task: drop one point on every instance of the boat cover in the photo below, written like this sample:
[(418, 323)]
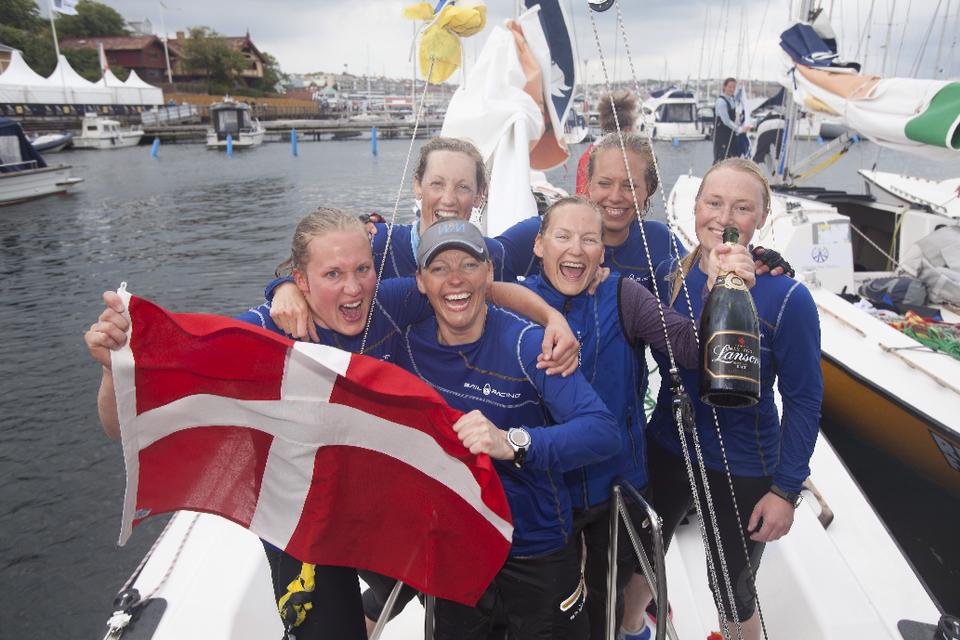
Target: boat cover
[(936, 261), (908, 114), (15, 148)]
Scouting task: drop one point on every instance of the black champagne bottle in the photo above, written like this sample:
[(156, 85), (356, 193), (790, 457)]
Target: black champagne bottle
[(730, 341)]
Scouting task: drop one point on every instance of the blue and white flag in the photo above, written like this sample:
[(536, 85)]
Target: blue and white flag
[(562, 76), (66, 7)]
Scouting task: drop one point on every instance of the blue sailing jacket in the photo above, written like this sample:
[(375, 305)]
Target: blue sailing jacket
[(398, 304), (609, 363), (628, 259), (569, 425), (757, 441)]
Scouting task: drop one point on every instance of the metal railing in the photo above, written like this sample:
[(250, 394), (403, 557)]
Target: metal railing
[(170, 115), (656, 575)]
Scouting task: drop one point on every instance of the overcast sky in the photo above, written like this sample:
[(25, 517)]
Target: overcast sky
[(664, 36)]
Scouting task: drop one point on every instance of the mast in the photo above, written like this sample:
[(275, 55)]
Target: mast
[(166, 51), (53, 28), (791, 113), (886, 41)]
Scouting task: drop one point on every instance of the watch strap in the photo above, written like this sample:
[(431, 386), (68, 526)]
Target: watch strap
[(793, 498)]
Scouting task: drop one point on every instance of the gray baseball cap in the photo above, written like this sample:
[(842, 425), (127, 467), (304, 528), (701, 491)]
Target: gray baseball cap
[(451, 234)]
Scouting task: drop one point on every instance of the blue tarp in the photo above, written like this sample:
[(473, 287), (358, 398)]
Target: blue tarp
[(806, 47), (11, 129)]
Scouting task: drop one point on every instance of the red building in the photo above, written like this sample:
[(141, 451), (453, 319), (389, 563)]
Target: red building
[(143, 54)]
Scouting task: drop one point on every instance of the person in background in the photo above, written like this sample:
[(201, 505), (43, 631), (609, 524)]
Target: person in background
[(624, 109), (481, 360), (725, 128), (768, 455)]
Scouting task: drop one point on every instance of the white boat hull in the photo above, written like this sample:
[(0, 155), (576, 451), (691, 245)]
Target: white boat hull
[(35, 183), (118, 141), (245, 140), (669, 131)]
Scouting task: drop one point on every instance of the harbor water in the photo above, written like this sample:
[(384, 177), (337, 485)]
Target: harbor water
[(197, 231)]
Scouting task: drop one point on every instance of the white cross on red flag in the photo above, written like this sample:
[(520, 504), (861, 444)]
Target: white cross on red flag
[(337, 458)]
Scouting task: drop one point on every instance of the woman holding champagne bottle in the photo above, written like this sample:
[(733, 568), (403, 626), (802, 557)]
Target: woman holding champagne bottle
[(767, 456)]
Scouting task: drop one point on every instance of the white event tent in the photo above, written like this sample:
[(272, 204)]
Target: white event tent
[(19, 84)]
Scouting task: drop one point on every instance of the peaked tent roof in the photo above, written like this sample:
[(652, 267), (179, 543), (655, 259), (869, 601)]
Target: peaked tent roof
[(19, 72), (19, 84), (146, 93), (78, 89)]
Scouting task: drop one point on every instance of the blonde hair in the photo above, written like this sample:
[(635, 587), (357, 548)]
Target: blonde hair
[(547, 217), (637, 145), (737, 164), (313, 225)]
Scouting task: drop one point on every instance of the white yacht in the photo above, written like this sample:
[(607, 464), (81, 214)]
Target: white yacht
[(104, 133), (24, 175), (233, 119), (671, 114)]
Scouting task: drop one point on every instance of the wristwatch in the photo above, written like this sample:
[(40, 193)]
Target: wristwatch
[(793, 498), (519, 440)]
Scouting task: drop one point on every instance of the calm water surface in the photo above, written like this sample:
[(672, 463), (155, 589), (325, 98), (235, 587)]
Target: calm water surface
[(197, 231)]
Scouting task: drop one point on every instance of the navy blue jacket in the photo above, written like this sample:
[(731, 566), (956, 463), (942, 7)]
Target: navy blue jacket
[(628, 259), (612, 326), (398, 304), (569, 426), (757, 442)]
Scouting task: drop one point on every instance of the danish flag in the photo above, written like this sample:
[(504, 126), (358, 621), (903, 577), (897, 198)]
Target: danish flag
[(339, 459)]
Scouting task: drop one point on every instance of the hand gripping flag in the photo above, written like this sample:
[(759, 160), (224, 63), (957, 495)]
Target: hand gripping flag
[(339, 459)]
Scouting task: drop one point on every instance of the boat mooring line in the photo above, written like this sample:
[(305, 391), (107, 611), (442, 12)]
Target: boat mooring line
[(708, 498), (716, 422), (895, 351), (842, 320), (396, 204)]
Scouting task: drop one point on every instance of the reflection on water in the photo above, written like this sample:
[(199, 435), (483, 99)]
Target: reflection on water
[(194, 231)]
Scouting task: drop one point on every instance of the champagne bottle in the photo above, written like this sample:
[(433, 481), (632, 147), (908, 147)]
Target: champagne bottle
[(730, 341)]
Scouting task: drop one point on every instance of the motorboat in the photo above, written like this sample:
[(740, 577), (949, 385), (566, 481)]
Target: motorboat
[(233, 120), (24, 174), (52, 142), (671, 114), (105, 133)]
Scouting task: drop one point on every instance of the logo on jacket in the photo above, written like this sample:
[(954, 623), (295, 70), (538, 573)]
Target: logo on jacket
[(488, 390)]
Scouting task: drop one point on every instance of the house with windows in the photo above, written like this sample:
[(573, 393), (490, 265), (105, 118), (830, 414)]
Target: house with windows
[(145, 55)]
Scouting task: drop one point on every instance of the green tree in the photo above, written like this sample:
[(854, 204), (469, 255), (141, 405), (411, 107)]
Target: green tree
[(206, 52), (86, 62), (92, 19), (271, 74), (21, 14)]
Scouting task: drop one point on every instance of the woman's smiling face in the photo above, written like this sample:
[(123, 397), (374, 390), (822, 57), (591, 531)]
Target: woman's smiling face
[(448, 188)]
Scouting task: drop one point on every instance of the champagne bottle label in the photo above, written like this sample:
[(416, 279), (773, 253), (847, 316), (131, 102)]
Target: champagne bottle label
[(733, 355), (732, 281)]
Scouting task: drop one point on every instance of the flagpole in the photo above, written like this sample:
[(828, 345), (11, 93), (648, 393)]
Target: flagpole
[(166, 52), (53, 27)]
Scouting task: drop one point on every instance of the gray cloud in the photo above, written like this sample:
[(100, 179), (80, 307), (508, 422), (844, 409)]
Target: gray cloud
[(665, 37)]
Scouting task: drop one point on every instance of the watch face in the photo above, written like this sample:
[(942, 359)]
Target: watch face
[(519, 438)]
